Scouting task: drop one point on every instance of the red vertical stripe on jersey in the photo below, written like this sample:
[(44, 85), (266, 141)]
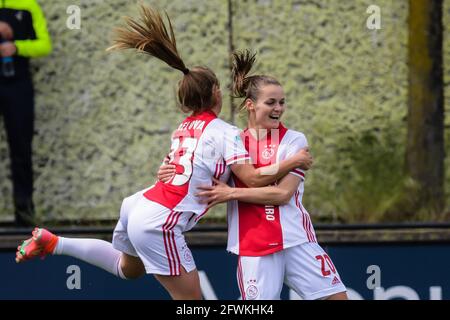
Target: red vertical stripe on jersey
[(222, 168), (216, 174), (310, 228), (303, 216), (201, 215), (304, 220), (308, 224)]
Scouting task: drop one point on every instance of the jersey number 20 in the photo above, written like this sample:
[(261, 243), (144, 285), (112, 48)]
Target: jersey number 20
[(325, 258)]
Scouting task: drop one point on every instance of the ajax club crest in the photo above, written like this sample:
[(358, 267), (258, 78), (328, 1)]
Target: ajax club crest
[(268, 151)]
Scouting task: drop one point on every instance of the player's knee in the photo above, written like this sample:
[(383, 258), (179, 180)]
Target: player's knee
[(197, 293), (182, 287), (188, 294), (132, 273), (132, 267)]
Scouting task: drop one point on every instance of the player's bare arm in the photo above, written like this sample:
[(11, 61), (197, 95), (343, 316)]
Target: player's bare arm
[(264, 176), (261, 176), (270, 195)]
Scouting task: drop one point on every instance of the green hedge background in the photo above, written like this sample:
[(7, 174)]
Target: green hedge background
[(103, 120)]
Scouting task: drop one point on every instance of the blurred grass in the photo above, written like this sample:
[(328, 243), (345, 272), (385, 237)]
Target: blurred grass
[(365, 183)]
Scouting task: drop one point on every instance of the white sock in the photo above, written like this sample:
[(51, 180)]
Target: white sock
[(93, 251)]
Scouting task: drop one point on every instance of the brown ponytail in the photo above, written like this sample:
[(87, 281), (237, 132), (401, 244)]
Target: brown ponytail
[(242, 64), (150, 35), (245, 86)]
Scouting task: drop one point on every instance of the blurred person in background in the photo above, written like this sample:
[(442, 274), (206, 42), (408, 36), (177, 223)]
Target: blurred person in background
[(23, 35)]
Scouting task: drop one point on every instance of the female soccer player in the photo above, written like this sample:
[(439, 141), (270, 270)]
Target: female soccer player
[(149, 236), (268, 227)]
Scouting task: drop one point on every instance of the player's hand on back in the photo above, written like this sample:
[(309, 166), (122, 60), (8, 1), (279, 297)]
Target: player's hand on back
[(215, 194), (166, 172)]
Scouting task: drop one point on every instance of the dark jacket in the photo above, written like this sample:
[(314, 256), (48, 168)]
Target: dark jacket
[(31, 36)]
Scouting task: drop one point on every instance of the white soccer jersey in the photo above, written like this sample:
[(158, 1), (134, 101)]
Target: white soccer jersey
[(203, 146), (257, 230)]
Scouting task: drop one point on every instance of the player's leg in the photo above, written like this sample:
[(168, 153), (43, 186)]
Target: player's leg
[(118, 258), (131, 267), (311, 273), (338, 296), (97, 252), (185, 286), (156, 235), (101, 254), (261, 278)]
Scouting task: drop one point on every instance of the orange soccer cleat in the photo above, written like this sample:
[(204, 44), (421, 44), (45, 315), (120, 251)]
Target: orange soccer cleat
[(41, 243)]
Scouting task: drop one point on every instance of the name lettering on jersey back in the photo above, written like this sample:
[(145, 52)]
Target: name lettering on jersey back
[(270, 212), (192, 125)]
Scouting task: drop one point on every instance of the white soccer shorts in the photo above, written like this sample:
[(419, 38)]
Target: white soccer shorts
[(153, 233), (305, 268)]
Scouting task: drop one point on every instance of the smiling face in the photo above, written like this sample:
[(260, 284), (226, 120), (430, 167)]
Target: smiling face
[(266, 111)]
